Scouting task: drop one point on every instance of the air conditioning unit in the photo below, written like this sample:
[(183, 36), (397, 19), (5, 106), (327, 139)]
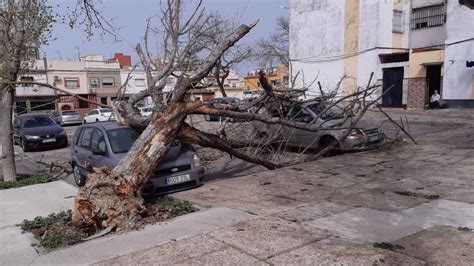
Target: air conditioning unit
[(57, 78)]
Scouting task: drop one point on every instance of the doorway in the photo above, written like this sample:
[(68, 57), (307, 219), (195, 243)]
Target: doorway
[(433, 80), (392, 87)]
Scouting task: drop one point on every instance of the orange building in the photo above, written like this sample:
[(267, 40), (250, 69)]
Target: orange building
[(277, 76)]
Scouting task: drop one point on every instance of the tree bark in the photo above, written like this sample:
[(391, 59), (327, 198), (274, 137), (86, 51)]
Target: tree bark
[(8, 152)]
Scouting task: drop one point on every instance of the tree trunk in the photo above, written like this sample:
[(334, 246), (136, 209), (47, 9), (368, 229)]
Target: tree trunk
[(8, 152), (112, 197)]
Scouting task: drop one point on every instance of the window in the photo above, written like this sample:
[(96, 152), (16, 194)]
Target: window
[(98, 141), (397, 21), (140, 82), (93, 112), (93, 83), (122, 139), (103, 100), (86, 138), (431, 16), (27, 79), (71, 83), (108, 82)]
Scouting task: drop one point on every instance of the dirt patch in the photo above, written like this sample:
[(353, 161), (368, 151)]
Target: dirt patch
[(57, 230)]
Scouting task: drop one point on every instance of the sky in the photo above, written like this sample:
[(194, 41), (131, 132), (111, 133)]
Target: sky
[(130, 15)]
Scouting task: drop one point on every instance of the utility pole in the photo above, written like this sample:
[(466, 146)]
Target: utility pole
[(56, 100)]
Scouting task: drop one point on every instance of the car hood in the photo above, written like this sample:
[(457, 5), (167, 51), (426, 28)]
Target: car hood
[(41, 131), (174, 154)]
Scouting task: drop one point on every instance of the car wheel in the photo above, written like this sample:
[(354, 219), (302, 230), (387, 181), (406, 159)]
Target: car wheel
[(84, 122), (97, 120), (24, 147), (327, 141), (79, 179), (207, 117)]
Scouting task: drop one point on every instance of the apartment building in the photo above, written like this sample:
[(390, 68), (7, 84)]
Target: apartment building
[(413, 47), (277, 76)]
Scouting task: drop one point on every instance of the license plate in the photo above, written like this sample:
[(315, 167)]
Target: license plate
[(49, 140), (178, 179)]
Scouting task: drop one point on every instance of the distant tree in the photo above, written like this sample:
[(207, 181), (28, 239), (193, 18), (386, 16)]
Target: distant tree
[(274, 49), (25, 25)]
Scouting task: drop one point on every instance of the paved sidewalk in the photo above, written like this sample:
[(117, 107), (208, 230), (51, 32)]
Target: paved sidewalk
[(420, 197)]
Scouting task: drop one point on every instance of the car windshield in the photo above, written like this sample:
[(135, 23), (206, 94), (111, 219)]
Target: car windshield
[(122, 139), (331, 111), (37, 121), (70, 113), (106, 110)]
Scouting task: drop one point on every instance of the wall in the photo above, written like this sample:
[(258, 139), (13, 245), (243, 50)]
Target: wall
[(68, 69), (132, 87), (458, 79), (316, 39)]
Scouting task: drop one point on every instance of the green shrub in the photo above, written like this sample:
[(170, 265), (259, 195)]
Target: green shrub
[(37, 178)]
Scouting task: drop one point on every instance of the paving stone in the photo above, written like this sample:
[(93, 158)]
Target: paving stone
[(363, 225), (169, 253), (267, 236), (337, 252), (440, 245), (15, 247), (226, 256), (442, 212), (381, 199), (263, 204), (311, 212)]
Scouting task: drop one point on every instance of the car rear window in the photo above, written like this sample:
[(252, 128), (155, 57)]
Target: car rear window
[(122, 139), (106, 110), (37, 121)]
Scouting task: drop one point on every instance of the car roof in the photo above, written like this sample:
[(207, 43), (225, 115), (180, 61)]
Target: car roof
[(32, 115), (105, 125)]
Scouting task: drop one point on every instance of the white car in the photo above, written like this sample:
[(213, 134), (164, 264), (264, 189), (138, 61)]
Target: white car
[(146, 111), (99, 115)]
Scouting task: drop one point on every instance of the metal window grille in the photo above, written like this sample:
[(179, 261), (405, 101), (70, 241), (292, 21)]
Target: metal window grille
[(397, 21), (431, 16)]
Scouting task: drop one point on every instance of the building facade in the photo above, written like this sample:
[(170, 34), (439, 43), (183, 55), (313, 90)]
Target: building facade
[(277, 76), (404, 43)]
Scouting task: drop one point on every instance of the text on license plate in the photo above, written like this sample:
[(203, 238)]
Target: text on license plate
[(49, 140), (178, 179)]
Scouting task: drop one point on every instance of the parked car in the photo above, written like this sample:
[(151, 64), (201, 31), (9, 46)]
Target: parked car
[(33, 131), (146, 111), (222, 100), (98, 115), (105, 144), (326, 115), (71, 117)]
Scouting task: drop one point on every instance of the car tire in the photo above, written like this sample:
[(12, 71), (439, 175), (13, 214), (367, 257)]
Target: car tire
[(326, 141), (79, 178), (207, 117), (24, 147), (97, 120), (84, 122)]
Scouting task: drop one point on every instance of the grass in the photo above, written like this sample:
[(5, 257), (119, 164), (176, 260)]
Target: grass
[(389, 246), (176, 207), (54, 231), (22, 181), (419, 195)]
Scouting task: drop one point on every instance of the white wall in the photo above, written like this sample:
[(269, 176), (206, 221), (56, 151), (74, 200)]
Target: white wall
[(458, 79), (316, 36), (132, 86)]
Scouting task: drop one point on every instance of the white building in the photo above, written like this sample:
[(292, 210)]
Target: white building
[(406, 43)]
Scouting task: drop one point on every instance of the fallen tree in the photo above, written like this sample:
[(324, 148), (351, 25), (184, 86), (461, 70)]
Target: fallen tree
[(111, 198)]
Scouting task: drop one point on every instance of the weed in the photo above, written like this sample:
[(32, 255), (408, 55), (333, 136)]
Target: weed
[(22, 181), (46, 222), (389, 246), (418, 195), (176, 207)]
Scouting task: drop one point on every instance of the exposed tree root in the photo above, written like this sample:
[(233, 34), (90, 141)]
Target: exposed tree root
[(107, 200)]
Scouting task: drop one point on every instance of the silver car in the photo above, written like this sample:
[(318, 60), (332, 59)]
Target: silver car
[(106, 143), (328, 116), (70, 117)]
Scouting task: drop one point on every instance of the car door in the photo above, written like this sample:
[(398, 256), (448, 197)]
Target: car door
[(92, 116), (83, 148), (299, 137), (98, 149)]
